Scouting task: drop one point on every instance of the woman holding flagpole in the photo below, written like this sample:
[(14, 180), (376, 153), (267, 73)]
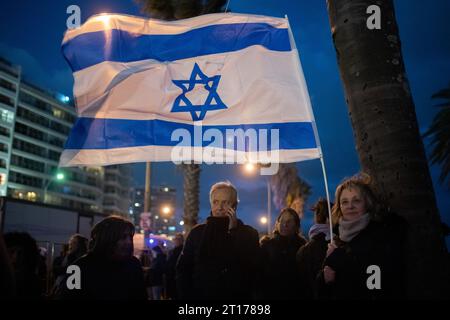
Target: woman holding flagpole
[(365, 259)]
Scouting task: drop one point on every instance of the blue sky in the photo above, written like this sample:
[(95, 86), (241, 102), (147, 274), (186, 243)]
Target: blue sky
[(31, 35)]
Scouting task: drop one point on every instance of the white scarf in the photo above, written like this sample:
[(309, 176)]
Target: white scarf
[(320, 228), (350, 229)]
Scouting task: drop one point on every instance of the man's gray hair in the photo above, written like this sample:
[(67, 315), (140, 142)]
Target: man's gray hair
[(224, 185)]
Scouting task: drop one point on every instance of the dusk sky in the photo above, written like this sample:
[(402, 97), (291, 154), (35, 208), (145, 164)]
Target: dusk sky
[(31, 34)]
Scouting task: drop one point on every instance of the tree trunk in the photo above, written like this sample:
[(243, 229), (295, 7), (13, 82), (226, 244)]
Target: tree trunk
[(386, 135), (191, 195)]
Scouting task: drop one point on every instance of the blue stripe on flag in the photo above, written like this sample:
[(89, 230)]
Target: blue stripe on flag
[(91, 48), (100, 133)]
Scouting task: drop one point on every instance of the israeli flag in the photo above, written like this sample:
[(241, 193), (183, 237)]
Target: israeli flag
[(221, 88)]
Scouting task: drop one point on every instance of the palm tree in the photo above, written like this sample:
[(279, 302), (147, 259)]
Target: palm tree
[(289, 190), (439, 132), (174, 10), (179, 9), (191, 187), (386, 134)]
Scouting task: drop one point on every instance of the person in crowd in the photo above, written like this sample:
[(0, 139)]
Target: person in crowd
[(76, 248), (7, 283), (58, 267), (310, 257), (109, 271), (24, 256), (219, 258), (171, 289), (365, 260), (156, 272), (280, 276), (146, 258)]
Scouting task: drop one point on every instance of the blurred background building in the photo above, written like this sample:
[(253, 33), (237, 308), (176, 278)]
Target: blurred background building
[(34, 125), (162, 209)]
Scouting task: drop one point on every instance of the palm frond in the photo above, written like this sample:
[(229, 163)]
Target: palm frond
[(439, 134)]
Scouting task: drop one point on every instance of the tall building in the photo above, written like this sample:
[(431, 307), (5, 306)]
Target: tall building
[(163, 203), (137, 204), (162, 209), (34, 125), (117, 190)]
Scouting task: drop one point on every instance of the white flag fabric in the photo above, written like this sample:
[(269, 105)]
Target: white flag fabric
[(213, 87)]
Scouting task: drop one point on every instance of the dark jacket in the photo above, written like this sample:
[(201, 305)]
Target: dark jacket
[(280, 276), (379, 244), (156, 272), (103, 279), (171, 288), (217, 263), (310, 260)]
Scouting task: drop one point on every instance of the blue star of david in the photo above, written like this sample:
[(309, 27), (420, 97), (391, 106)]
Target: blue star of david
[(198, 112)]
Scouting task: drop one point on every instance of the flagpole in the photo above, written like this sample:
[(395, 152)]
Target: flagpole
[(147, 187), (147, 199), (305, 92), (226, 9)]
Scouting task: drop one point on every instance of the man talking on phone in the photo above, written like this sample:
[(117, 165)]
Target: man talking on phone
[(219, 259)]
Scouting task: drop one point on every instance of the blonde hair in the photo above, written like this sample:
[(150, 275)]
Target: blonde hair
[(362, 183), (224, 185)]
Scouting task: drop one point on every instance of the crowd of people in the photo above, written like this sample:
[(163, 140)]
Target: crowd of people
[(224, 259)]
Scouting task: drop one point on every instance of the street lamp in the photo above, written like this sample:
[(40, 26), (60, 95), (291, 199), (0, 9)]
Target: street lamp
[(166, 210), (250, 168), (59, 177)]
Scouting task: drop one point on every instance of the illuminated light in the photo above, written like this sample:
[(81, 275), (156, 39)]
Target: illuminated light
[(156, 217), (104, 17), (172, 228), (165, 221), (31, 196), (151, 241), (181, 223), (137, 204), (60, 176), (250, 167), (166, 189), (263, 220), (166, 210), (63, 98)]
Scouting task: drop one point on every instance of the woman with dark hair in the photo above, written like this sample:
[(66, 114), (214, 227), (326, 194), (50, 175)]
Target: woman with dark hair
[(365, 259), (280, 276), (24, 257), (109, 271), (76, 248)]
